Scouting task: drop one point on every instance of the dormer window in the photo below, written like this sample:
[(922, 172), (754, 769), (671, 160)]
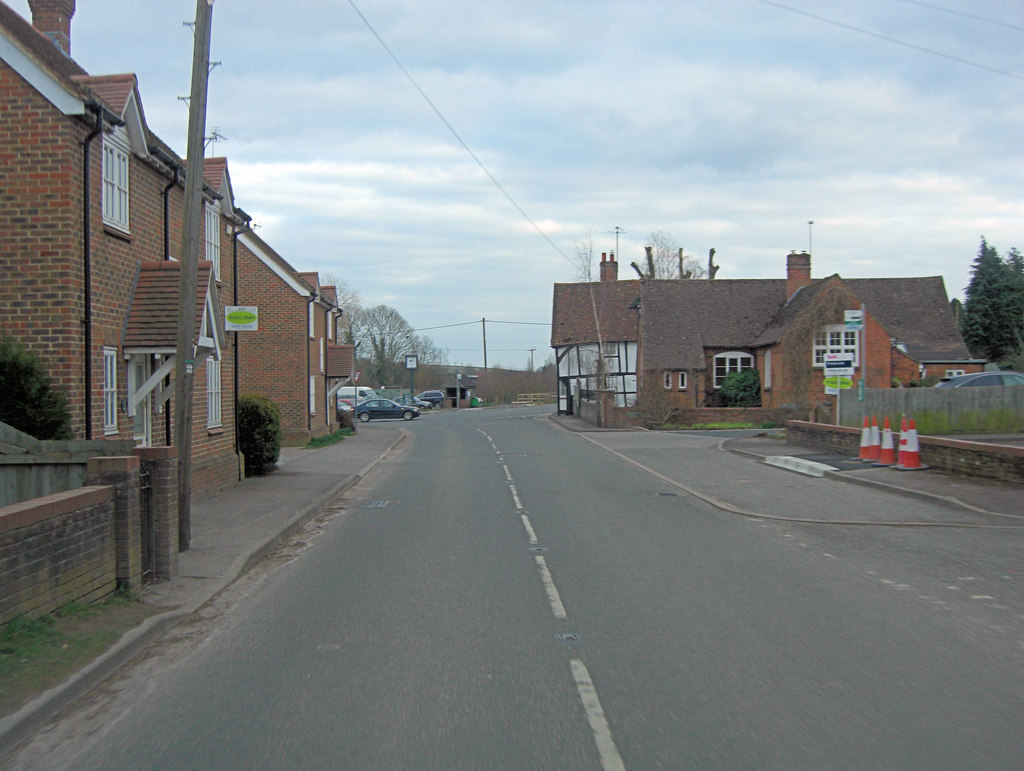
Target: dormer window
[(115, 183)]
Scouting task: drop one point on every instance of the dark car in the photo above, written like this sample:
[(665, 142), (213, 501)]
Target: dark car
[(434, 397), (982, 379), (375, 409), (413, 401)]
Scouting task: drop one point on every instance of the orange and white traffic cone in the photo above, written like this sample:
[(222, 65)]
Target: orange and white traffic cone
[(865, 440), (875, 443), (887, 450), (911, 457), (901, 454)]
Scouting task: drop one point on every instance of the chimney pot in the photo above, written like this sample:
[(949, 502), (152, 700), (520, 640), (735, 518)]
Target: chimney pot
[(609, 268)]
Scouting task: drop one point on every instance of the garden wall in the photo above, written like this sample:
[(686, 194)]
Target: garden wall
[(957, 456)]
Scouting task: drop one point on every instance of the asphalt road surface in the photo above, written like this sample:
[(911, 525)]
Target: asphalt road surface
[(506, 594)]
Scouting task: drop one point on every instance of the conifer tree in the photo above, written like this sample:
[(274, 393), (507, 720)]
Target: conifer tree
[(994, 305)]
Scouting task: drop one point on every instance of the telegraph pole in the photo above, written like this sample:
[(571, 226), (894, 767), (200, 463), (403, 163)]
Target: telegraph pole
[(190, 244)]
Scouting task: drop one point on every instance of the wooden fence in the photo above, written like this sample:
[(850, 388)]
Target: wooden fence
[(939, 410), (30, 468)]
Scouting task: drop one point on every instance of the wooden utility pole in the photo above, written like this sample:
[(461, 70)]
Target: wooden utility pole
[(190, 243)]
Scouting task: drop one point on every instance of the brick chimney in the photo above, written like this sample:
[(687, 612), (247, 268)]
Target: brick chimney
[(798, 272), (609, 267), (53, 19)]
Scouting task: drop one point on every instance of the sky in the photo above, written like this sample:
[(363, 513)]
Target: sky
[(458, 183)]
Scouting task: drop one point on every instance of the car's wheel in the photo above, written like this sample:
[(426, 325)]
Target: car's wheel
[(364, 417), (408, 415)]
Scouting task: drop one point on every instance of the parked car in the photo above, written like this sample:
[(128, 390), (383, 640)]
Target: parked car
[(414, 401), (345, 405), (435, 398), (375, 409), (982, 379)]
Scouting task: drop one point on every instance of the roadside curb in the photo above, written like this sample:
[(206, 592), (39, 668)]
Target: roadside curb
[(20, 726), (873, 483)]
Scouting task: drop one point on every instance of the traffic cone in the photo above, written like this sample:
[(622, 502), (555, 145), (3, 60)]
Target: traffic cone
[(887, 451), (875, 444), (910, 458), (901, 454), (865, 440)]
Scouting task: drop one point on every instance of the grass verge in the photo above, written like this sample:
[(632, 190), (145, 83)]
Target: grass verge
[(328, 439), (38, 653)]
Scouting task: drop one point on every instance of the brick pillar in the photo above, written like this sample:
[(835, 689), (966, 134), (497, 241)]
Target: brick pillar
[(122, 473), (164, 479)]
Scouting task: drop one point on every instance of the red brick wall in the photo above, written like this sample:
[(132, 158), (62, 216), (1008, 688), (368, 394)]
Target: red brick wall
[(41, 256), (55, 550), (272, 361), (40, 233)]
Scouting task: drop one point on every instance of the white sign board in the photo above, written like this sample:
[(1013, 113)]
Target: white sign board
[(839, 372), (854, 320), (241, 318)]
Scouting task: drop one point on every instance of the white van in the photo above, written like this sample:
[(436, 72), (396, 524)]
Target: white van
[(349, 396)]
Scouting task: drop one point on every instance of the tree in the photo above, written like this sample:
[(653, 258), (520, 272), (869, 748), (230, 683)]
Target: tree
[(585, 258), (29, 401), (993, 314), (388, 337), (665, 260)]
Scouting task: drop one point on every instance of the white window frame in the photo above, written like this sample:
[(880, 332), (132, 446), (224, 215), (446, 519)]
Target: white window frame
[(836, 338), (214, 415), (312, 320), (109, 390), (735, 361), (330, 324), (115, 196), (212, 237), (667, 378), (682, 380), (954, 373), (323, 355), (312, 394), (767, 370)]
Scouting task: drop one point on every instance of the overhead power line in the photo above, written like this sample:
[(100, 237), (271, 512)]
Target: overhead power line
[(889, 39), (964, 14), (455, 133)]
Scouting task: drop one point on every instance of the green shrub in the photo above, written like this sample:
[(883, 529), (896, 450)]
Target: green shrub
[(30, 403), (741, 389), (259, 433)]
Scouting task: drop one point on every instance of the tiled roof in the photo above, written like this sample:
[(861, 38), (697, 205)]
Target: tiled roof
[(341, 360), (683, 317), (572, 312), (153, 320), (113, 90), (916, 312), (36, 45)]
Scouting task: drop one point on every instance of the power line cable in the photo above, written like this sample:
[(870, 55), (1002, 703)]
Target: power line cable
[(888, 39), (964, 14), (455, 133)]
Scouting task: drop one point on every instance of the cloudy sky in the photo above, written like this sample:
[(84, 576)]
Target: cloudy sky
[(895, 125)]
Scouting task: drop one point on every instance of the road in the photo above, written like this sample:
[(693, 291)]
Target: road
[(506, 594)]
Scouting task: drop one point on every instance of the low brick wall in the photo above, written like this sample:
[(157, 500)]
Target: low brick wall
[(692, 416), (57, 549), (957, 456)]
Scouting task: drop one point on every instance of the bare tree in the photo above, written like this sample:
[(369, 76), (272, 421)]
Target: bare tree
[(388, 337), (585, 258), (666, 260), (351, 305)]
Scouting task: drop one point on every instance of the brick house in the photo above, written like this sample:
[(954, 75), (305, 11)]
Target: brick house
[(293, 358), (690, 334), (90, 220)]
